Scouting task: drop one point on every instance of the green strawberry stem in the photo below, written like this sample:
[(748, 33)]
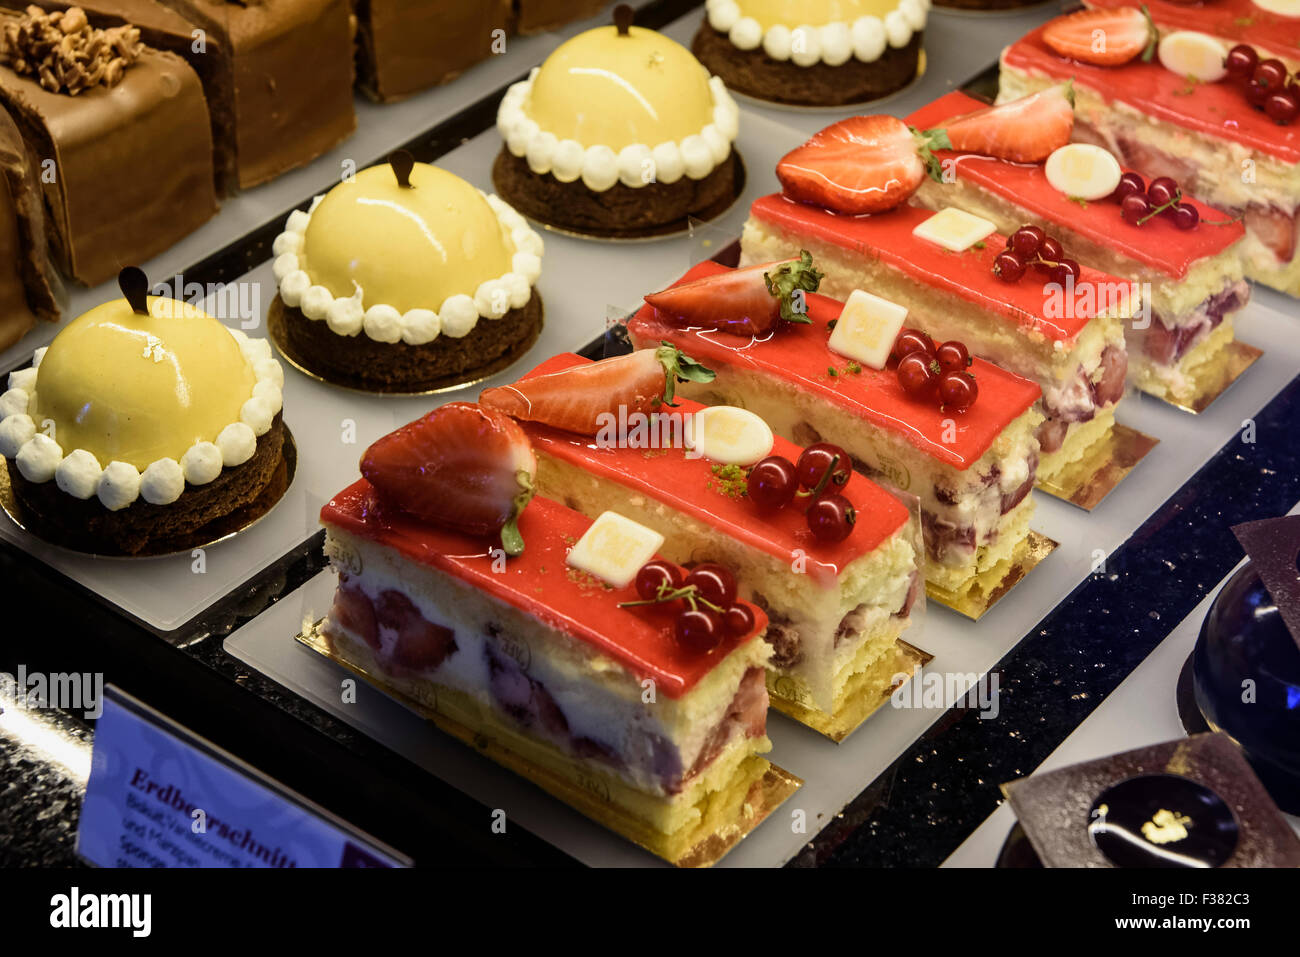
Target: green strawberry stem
[(786, 278), (679, 367), (1153, 37), (511, 540)]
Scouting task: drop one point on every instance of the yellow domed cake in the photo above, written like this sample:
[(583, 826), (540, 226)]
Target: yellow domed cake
[(145, 426), (383, 283), (813, 52), (621, 131)]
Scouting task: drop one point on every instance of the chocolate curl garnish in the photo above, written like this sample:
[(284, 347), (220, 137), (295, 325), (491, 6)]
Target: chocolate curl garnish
[(623, 18), (402, 163), (135, 287)]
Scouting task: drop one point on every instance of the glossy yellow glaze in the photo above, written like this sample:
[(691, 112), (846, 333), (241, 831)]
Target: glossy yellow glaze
[(409, 248), (139, 388), (794, 13), (603, 89)]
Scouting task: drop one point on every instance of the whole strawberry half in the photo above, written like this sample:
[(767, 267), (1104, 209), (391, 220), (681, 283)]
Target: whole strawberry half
[(1103, 37), (574, 399), (865, 164), (1026, 130), (747, 302), (461, 467)]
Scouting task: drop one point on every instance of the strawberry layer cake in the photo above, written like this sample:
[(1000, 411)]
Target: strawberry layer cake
[(523, 627), (838, 588)]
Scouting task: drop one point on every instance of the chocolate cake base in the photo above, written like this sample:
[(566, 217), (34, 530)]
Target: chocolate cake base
[(359, 362), (620, 212), (754, 73), (202, 514)]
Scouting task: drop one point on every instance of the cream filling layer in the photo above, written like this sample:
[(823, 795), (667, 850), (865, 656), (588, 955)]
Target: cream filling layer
[(599, 166), (456, 316), (834, 43), (117, 484)]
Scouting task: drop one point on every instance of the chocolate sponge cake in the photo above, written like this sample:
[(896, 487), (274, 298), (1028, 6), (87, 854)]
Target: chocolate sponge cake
[(407, 279), (125, 136), (27, 282)]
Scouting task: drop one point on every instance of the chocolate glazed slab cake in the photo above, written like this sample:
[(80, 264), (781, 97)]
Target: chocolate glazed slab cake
[(27, 282), (126, 130)]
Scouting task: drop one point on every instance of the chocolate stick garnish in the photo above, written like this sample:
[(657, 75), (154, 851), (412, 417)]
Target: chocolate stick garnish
[(135, 287), (623, 18), (402, 163)]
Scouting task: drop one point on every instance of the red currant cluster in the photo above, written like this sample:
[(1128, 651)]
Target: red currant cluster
[(926, 371), (776, 481), (1139, 203), (705, 602), (1269, 87), (1030, 246)]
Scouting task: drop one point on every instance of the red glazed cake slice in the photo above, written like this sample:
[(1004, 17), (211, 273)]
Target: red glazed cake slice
[(1204, 135), (972, 472), (541, 659), (1191, 278), (1267, 27), (1071, 345), (836, 609)]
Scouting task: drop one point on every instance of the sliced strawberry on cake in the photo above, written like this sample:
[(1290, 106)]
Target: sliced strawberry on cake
[(1026, 130), (577, 399), (1103, 37), (747, 302), (461, 467), (865, 164)]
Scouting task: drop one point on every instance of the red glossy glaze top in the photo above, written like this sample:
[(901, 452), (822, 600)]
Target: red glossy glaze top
[(799, 353), (1158, 244), (1213, 109), (967, 275), (684, 483), (539, 583), (1239, 21)]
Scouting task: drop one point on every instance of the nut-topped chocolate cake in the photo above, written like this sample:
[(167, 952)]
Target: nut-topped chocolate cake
[(27, 283), (121, 128)]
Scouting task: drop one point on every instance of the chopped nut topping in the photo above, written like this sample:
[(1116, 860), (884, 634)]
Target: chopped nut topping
[(64, 53)]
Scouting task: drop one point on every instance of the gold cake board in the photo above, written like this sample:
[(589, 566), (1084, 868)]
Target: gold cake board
[(1213, 378), (988, 587), (1103, 466), (590, 798), (908, 660)]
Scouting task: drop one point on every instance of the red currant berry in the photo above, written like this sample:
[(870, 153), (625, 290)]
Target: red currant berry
[(958, 391), (1163, 190), (738, 621), (1240, 61), (953, 356), (1026, 241), (772, 482), (714, 583), (1282, 106), (1135, 208), (917, 376), (831, 518), (1008, 267), (815, 460), (1129, 184), (1186, 216), (1271, 74), (654, 575), (1257, 94), (911, 340), (698, 629)]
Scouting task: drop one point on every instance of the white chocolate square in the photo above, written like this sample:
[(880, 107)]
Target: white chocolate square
[(614, 548), (954, 229), (867, 328)]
